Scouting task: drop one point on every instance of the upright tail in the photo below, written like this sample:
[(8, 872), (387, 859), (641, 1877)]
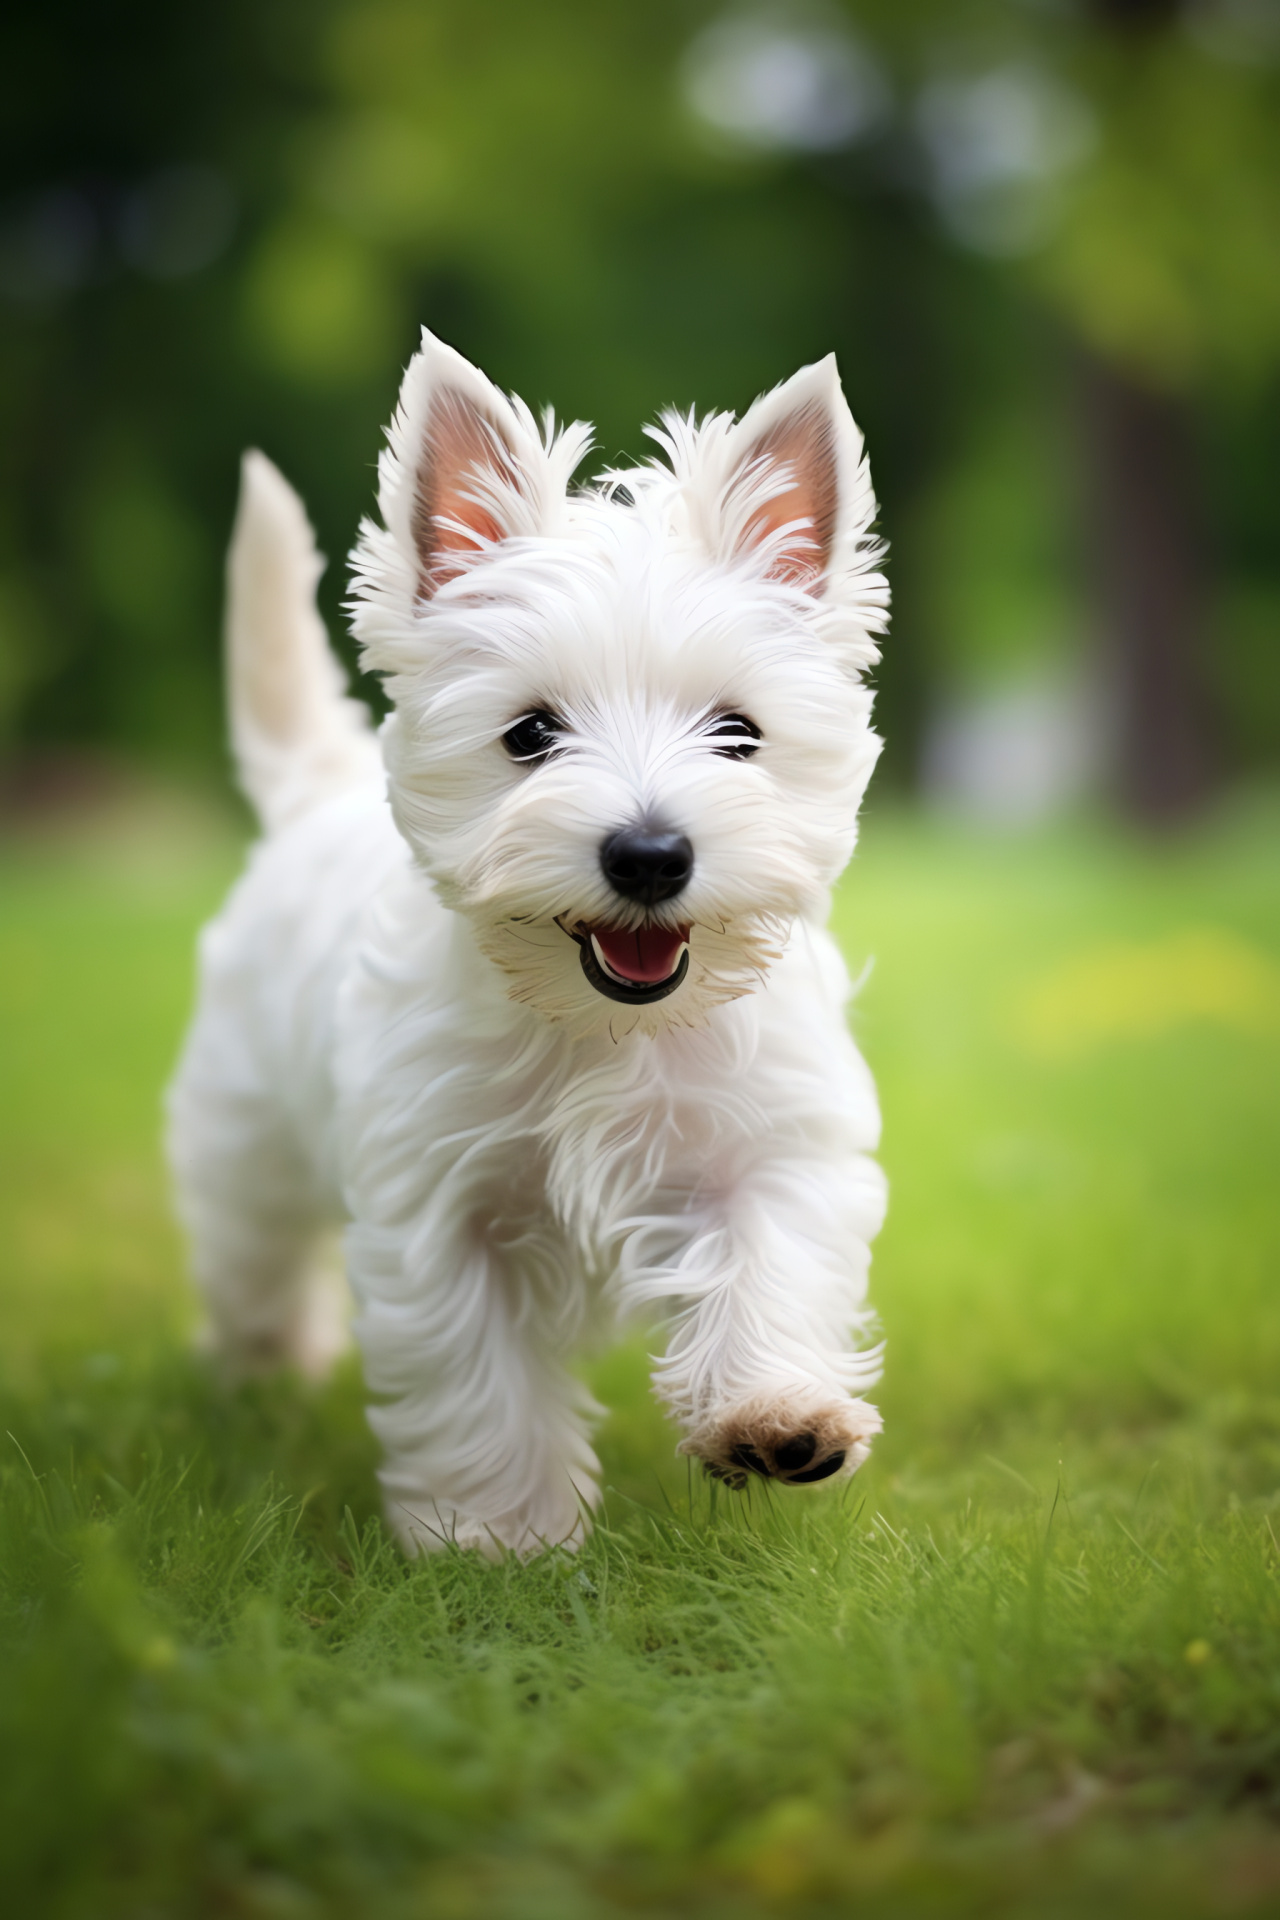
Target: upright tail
[(296, 736)]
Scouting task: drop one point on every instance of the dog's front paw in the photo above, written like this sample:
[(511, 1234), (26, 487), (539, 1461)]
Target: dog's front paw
[(788, 1437)]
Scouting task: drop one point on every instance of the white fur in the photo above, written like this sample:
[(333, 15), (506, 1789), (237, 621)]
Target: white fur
[(393, 1025)]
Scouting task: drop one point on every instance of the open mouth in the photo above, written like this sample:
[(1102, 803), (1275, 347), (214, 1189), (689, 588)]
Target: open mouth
[(635, 967)]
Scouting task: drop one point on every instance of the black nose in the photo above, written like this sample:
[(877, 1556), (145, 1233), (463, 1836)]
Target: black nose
[(647, 863)]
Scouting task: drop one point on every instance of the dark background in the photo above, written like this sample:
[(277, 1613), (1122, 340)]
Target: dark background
[(1043, 238)]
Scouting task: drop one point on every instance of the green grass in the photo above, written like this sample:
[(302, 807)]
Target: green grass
[(1028, 1665)]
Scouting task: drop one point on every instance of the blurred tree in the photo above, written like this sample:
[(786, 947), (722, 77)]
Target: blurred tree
[(1168, 262), (1124, 156)]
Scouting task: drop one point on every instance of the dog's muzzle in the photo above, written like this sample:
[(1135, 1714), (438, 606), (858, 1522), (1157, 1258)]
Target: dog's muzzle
[(634, 968), (646, 863)]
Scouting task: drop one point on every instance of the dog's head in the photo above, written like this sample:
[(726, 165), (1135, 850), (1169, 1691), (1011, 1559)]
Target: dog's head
[(630, 733)]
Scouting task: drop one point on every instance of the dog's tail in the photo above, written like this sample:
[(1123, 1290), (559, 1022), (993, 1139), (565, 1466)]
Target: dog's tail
[(296, 736)]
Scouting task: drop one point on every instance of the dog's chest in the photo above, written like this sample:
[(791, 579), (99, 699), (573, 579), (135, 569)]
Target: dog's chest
[(456, 1098), (646, 1129)]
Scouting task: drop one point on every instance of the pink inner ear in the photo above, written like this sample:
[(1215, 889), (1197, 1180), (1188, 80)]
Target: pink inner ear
[(465, 459), (805, 444)]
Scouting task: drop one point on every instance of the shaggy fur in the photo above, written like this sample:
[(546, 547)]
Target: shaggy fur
[(399, 1021)]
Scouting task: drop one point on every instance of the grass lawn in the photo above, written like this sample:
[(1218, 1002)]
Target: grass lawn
[(1028, 1664)]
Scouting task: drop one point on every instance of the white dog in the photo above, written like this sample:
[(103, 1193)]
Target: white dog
[(559, 1030)]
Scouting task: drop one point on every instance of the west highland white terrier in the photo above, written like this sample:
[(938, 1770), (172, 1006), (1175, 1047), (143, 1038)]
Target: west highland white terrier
[(533, 988)]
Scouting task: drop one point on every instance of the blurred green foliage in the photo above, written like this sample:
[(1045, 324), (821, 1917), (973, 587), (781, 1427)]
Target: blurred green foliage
[(224, 226), (1166, 253)]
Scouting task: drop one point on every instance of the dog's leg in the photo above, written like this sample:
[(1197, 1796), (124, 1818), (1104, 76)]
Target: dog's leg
[(763, 1368), (271, 1293), (485, 1435)]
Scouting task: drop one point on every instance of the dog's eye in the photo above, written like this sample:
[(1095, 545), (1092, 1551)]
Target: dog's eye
[(534, 737), (734, 736)]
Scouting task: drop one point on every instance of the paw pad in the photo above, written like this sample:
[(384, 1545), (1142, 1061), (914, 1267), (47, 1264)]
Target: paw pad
[(791, 1460), (793, 1438)]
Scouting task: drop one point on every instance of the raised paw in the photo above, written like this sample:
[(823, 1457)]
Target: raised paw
[(793, 1441)]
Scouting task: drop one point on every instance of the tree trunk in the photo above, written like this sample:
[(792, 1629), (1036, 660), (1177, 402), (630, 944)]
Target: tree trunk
[(1150, 551), (1151, 554)]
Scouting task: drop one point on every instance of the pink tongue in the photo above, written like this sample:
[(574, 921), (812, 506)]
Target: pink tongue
[(645, 956)]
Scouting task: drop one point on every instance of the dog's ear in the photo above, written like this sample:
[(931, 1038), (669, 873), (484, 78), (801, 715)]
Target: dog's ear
[(793, 483), (465, 467)]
